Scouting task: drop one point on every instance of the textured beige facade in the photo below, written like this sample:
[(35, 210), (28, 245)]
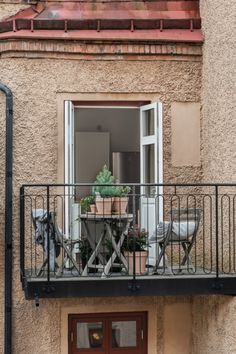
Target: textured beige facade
[(39, 86), (214, 318), (10, 8), (36, 86), (219, 90)]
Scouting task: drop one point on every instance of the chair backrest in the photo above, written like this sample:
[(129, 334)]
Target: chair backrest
[(41, 225), (185, 223)]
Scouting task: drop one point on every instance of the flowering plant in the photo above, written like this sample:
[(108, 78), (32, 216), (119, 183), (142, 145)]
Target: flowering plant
[(135, 240)]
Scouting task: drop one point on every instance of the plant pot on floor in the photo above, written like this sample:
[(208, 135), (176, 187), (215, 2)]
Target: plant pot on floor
[(140, 262), (104, 205)]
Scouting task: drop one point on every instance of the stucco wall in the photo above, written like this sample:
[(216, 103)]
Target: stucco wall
[(2, 220), (213, 326), (10, 9), (36, 85), (219, 90), (214, 317)]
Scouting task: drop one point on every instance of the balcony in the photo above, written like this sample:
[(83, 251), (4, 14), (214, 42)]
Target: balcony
[(185, 234)]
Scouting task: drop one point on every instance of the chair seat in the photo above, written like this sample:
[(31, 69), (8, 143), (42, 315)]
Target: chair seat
[(181, 231)]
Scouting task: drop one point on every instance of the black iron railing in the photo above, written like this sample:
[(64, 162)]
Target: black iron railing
[(170, 230)]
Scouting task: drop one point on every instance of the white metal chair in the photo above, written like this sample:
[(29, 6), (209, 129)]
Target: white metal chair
[(180, 230)]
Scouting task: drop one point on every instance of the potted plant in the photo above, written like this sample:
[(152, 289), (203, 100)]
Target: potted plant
[(105, 192), (121, 199), (134, 249), (88, 204)]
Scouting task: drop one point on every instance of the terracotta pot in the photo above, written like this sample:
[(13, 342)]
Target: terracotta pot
[(120, 205), (93, 208), (104, 205), (140, 262)]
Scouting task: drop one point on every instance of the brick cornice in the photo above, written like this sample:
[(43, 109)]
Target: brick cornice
[(88, 50)]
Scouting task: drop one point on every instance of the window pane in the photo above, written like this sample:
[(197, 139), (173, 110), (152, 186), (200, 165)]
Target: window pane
[(89, 335), (148, 122), (124, 334), (149, 167)]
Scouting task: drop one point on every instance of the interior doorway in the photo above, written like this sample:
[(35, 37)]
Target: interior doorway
[(108, 333), (106, 136), (127, 139), (94, 134)]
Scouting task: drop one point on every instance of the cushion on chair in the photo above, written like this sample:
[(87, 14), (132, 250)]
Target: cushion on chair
[(180, 231)]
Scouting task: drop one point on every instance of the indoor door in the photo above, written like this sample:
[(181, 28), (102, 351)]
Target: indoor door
[(108, 333)]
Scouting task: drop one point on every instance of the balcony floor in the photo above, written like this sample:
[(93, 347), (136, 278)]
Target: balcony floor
[(117, 284)]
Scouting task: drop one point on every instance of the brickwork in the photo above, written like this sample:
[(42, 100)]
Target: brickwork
[(115, 50)]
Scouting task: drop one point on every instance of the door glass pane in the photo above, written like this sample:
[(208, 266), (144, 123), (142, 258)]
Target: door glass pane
[(89, 335), (149, 167), (148, 122), (124, 334)]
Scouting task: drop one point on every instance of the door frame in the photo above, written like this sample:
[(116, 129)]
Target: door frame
[(156, 139), (96, 97)]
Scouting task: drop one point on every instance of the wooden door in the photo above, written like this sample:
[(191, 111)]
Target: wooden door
[(108, 333)]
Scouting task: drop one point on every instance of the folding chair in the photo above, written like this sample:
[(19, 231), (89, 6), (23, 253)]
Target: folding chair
[(180, 230), (57, 241)]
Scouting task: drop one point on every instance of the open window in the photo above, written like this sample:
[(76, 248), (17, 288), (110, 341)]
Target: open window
[(98, 134), (128, 139)]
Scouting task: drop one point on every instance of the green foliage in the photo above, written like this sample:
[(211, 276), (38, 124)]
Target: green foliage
[(105, 177), (122, 191), (86, 202), (135, 240), (85, 249)]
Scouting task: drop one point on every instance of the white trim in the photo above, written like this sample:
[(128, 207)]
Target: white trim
[(69, 162), (155, 139), (66, 153), (160, 153), (152, 208)]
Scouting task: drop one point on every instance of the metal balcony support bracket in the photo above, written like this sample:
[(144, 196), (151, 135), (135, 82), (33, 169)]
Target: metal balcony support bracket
[(36, 300), (217, 285), (217, 230), (8, 219), (133, 286), (22, 235), (48, 237)]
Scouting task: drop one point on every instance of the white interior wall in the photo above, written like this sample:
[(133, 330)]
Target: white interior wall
[(122, 123)]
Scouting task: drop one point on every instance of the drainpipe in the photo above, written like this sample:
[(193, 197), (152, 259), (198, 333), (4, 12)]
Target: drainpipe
[(8, 219)]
